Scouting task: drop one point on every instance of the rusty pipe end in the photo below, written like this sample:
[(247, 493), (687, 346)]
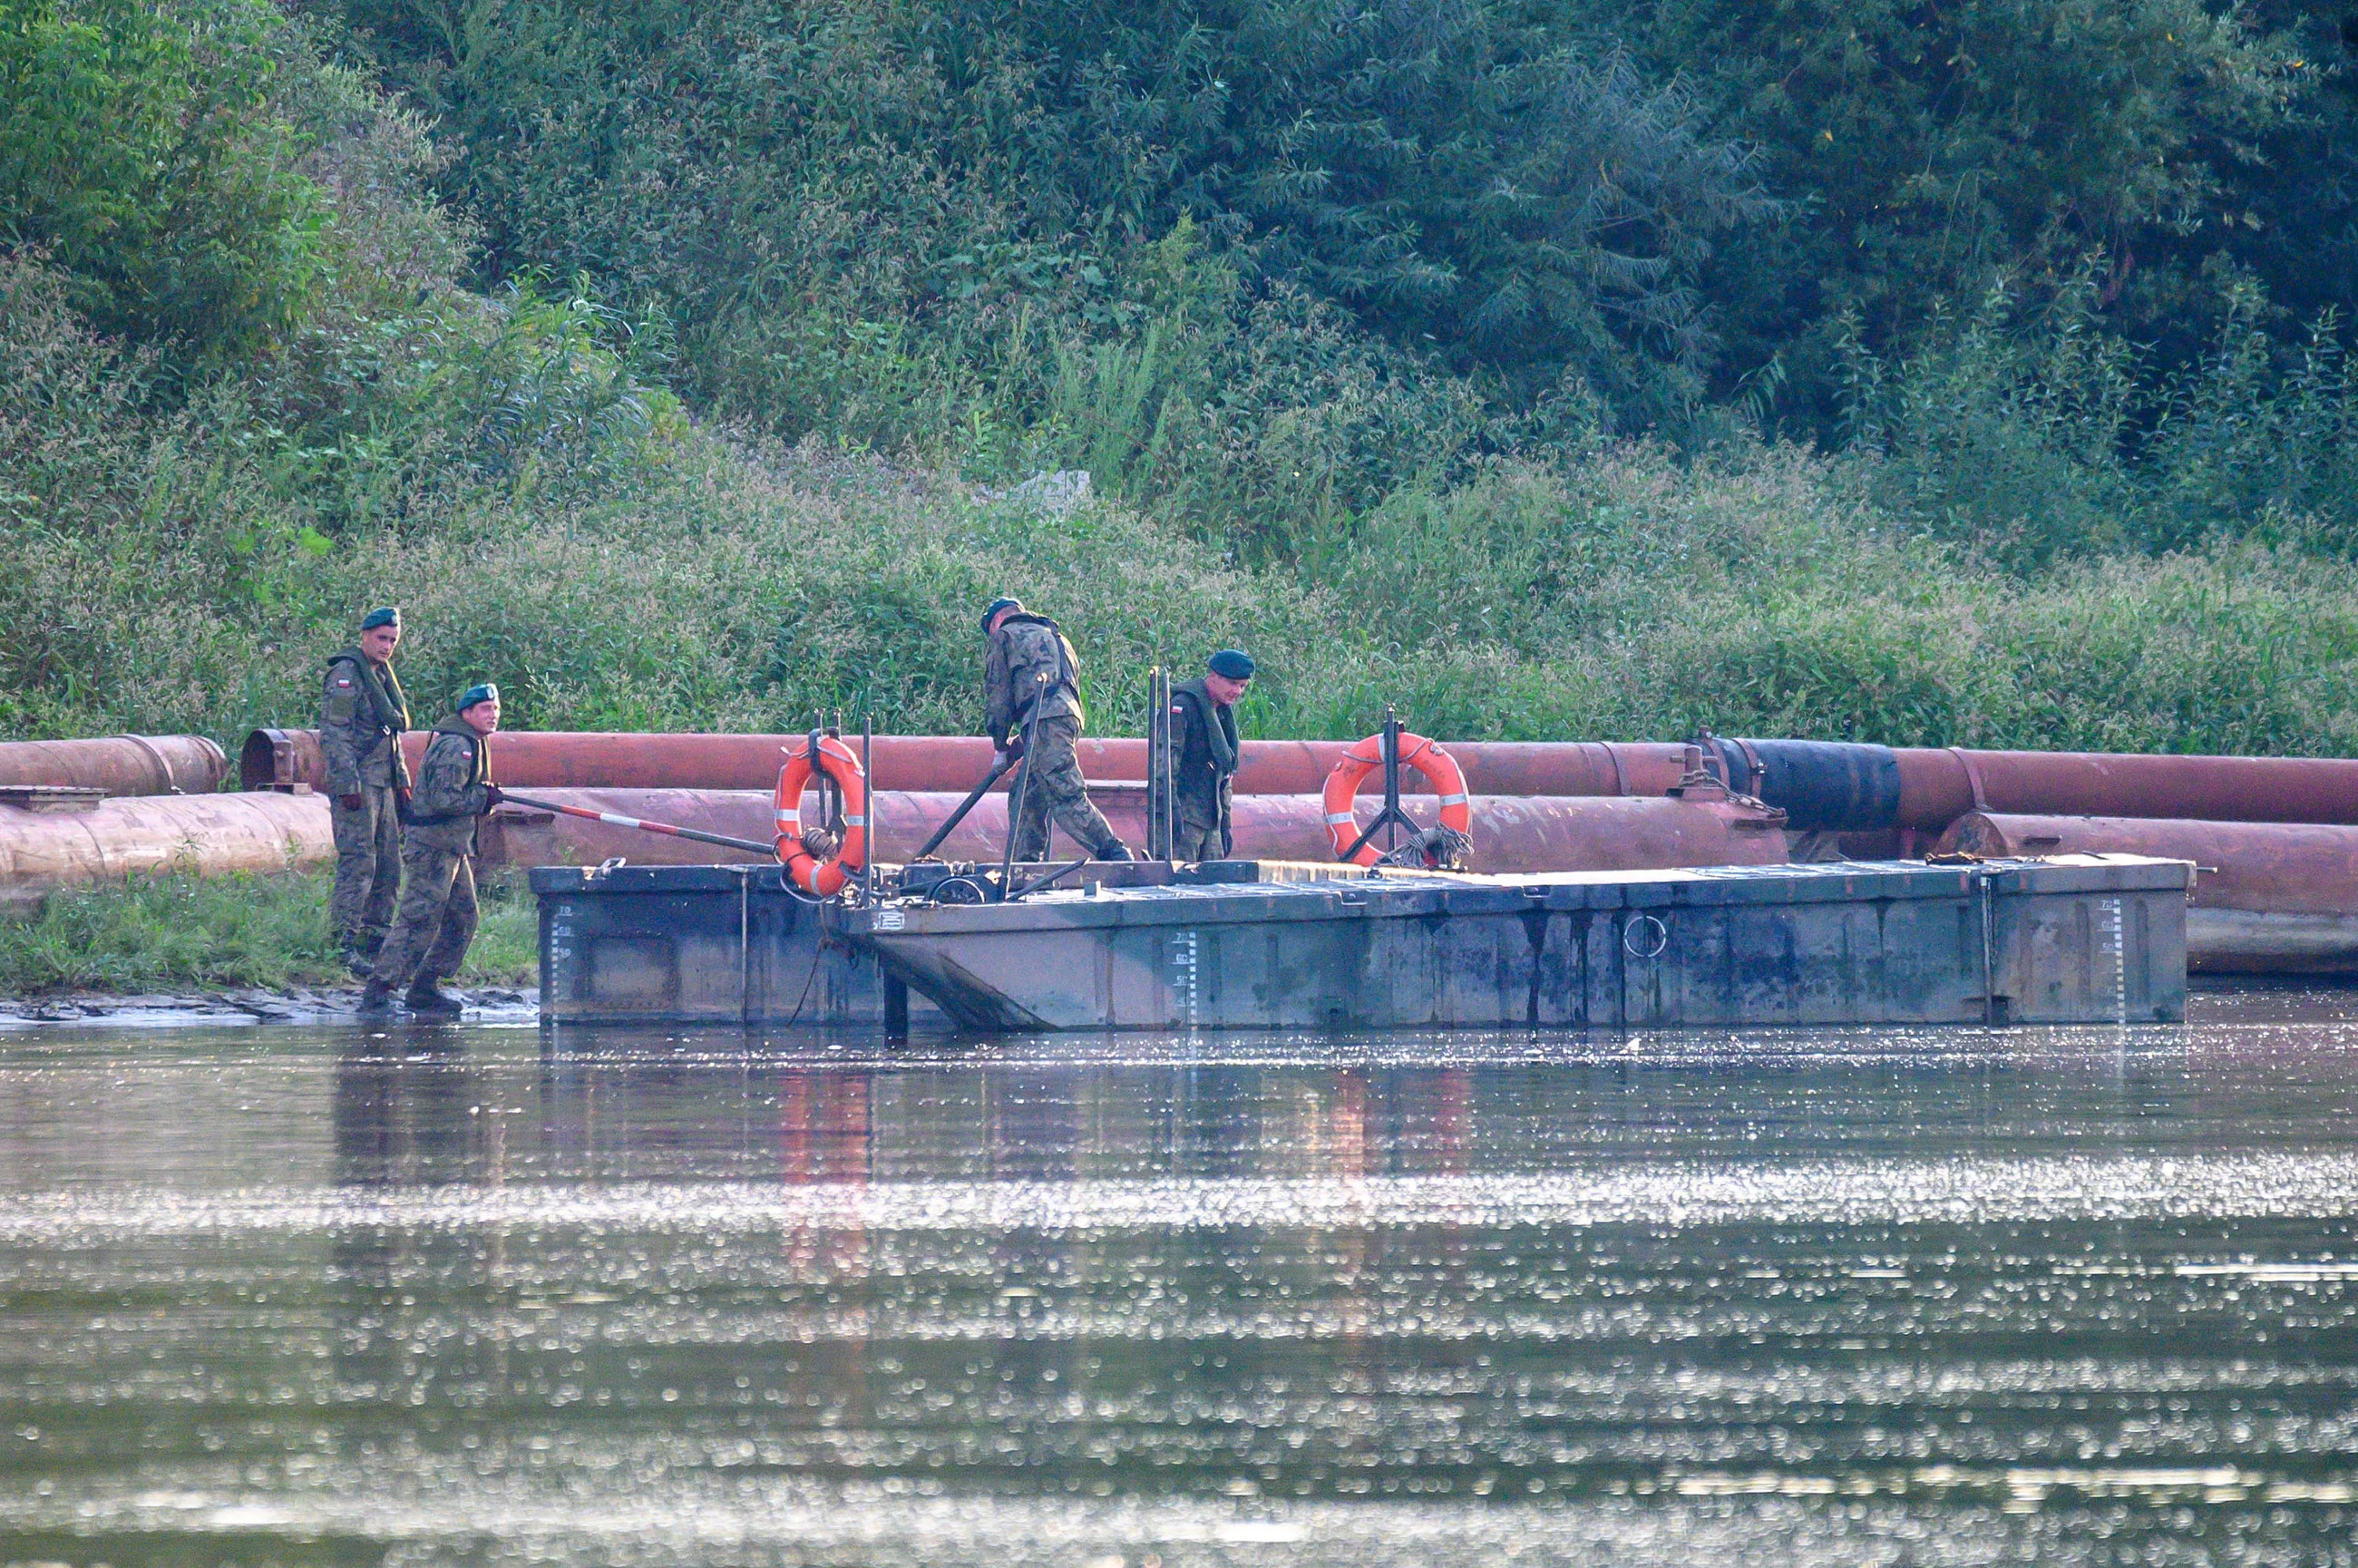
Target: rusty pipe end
[(259, 760)]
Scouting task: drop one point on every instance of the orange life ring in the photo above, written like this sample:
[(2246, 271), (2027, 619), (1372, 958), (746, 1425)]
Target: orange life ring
[(1368, 757), (813, 875)]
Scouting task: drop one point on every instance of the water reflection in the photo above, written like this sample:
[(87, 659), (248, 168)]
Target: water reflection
[(478, 1296)]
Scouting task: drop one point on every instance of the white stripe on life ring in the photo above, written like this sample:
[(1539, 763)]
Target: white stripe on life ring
[(1454, 799), (1337, 818)]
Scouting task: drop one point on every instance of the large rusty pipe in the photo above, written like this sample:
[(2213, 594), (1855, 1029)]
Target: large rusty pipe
[(206, 835), (1936, 787), (1926, 790), (589, 760), (2273, 896), (118, 765), (1511, 833)]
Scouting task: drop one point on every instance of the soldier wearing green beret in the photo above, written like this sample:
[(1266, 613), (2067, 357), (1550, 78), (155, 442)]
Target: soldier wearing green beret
[(1203, 732), (437, 898), (362, 716)]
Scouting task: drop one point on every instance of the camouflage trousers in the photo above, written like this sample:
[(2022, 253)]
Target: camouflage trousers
[(438, 918), (1199, 840), (1057, 789), (368, 870)]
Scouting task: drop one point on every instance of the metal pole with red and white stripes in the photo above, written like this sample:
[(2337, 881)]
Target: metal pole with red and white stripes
[(615, 819)]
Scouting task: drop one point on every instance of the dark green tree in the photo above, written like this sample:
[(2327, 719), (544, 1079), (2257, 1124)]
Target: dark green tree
[(890, 180)]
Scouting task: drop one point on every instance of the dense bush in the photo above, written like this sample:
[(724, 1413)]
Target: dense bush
[(2031, 439), (144, 144), (852, 203), (1939, 152), (848, 202)]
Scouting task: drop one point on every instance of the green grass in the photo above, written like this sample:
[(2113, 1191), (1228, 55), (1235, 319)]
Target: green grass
[(185, 933)]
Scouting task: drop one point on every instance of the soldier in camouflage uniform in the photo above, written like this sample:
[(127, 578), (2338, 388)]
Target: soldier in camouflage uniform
[(1203, 732), (1029, 659), (438, 896), (362, 716)]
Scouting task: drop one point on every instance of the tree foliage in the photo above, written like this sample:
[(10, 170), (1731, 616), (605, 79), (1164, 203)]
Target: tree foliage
[(846, 202), (142, 147), (1933, 153), (889, 180)]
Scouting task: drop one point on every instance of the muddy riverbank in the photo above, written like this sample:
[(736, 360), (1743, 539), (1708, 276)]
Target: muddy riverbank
[(244, 1005)]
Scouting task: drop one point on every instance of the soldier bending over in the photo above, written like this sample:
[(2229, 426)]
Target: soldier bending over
[(1029, 658)]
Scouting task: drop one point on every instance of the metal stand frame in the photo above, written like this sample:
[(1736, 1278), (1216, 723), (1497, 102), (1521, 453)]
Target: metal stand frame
[(1391, 816)]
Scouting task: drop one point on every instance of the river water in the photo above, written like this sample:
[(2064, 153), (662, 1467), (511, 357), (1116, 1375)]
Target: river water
[(493, 1295)]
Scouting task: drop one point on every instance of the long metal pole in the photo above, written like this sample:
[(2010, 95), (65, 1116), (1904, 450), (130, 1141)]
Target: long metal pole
[(868, 808), (614, 820), (1391, 779), (1022, 783), (973, 796), (1169, 775), (1036, 883), (1154, 776), (1162, 820)]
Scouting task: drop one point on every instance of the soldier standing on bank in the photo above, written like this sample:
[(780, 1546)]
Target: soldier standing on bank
[(1204, 728), (362, 716), (438, 896), (1030, 660)]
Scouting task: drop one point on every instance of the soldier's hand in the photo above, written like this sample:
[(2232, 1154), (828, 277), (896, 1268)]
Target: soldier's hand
[(352, 802), (492, 796)]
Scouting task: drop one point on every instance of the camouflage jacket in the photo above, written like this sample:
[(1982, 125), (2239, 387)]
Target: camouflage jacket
[(1205, 734), (450, 794), (1025, 647), (362, 716)]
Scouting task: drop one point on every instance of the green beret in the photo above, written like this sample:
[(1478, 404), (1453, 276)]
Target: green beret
[(389, 616), (1232, 664), (475, 694), (996, 606)]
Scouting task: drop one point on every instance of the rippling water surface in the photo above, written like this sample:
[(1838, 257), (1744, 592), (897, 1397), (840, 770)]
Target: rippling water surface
[(479, 1295)]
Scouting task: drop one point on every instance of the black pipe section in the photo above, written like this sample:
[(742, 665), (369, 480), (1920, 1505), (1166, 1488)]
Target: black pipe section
[(1832, 786)]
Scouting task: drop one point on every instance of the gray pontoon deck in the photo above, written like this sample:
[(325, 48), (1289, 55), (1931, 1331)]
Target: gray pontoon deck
[(2079, 940), (2070, 939)]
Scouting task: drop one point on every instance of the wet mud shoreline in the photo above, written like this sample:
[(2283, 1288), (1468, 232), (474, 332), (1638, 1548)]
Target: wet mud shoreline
[(336, 1004)]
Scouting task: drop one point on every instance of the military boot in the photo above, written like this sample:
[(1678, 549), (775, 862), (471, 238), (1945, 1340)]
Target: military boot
[(360, 963), (429, 1001), (1117, 850), (375, 996)]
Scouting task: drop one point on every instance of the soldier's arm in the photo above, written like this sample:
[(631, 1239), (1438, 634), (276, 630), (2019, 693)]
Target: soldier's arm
[(996, 693), (442, 786), (338, 703)]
